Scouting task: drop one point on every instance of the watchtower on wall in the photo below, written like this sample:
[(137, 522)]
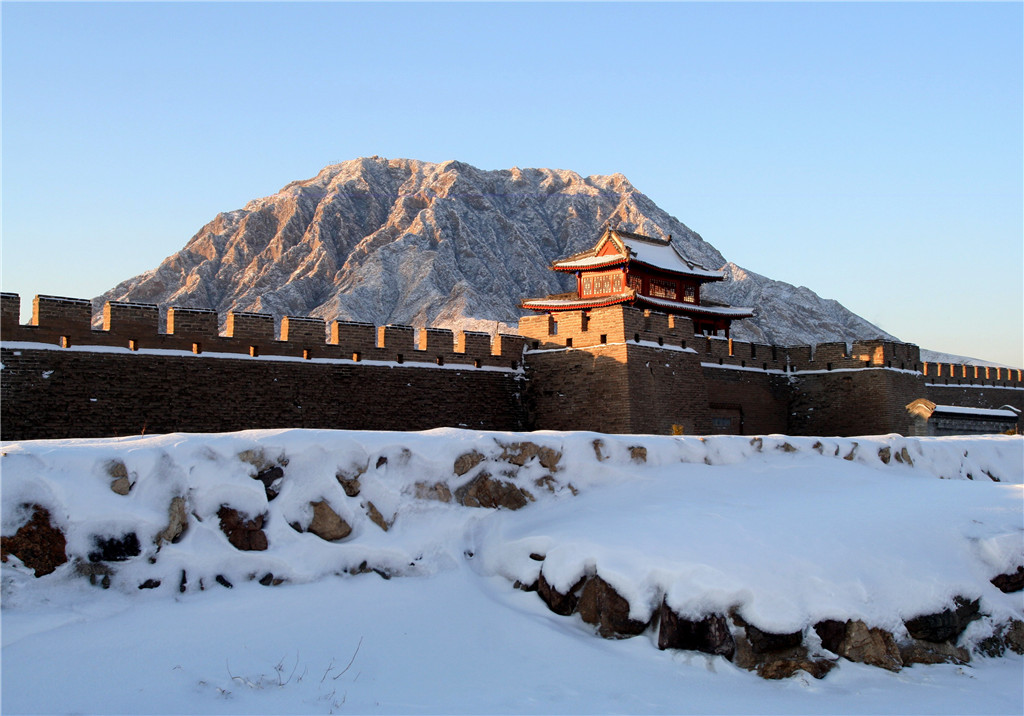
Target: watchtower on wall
[(614, 369), (646, 272)]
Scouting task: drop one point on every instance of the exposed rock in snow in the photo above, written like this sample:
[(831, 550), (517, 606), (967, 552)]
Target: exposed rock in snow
[(450, 245)]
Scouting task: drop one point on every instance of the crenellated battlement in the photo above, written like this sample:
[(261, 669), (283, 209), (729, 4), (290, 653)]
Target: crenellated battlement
[(621, 324), (67, 322), (610, 369), (962, 374)]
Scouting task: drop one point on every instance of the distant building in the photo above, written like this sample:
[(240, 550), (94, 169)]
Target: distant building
[(641, 271), (932, 419)]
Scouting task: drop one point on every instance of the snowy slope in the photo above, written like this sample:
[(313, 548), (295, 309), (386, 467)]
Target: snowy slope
[(411, 242), (784, 531)]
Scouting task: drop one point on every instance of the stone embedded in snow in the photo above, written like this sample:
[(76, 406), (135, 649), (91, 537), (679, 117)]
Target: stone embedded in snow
[(350, 485), (177, 522), (1004, 636), (270, 477), (466, 462), (115, 549), (327, 524), (437, 491), (119, 472), (485, 491), (563, 604), (247, 535), (94, 570), (917, 651), (522, 452), (376, 517), (1010, 582), (38, 543), (775, 656), (710, 634), (946, 625), (861, 643), (763, 642), (605, 608)]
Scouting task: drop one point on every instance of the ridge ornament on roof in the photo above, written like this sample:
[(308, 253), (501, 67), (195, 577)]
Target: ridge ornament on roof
[(633, 269)]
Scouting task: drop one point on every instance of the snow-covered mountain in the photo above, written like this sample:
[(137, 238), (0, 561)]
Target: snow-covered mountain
[(411, 242)]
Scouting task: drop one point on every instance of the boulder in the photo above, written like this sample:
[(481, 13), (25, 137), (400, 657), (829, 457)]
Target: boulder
[(520, 453), (38, 543), (269, 477), (95, 571), (177, 522), (466, 462), (946, 625), (916, 651), (831, 632), (866, 645), (768, 655), (564, 604), (350, 485), (638, 453), (376, 517), (437, 491), (1012, 582), (350, 482), (763, 642), (328, 524), (783, 666), (485, 491), (710, 634), (115, 549), (244, 534), (602, 606), (1013, 636), (120, 482), (269, 580)]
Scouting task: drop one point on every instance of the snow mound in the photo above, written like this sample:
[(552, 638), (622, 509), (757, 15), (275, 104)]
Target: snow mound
[(785, 530)]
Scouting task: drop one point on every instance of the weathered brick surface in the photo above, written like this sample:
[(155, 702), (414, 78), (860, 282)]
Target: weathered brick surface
[(756, 402), (853, 402), (58, 394), (192, 323), (667, 392), (618, 370), (975, 395), (570, 389)]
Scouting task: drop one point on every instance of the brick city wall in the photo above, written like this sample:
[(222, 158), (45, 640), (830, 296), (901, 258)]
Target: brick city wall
[(617, 369), (61, 378)]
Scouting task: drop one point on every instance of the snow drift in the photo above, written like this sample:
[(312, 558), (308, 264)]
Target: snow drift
[(778, 534)]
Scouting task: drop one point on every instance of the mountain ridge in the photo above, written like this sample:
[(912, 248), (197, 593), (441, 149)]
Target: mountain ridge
[(446, 244)]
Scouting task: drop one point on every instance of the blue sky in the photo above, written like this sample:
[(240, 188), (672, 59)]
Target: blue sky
[(872, 152)]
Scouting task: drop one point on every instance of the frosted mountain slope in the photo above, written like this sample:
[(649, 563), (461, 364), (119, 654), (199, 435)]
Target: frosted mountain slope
[(405, 241)]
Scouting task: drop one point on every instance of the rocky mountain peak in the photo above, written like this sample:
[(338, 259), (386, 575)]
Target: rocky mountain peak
[(407, 241)]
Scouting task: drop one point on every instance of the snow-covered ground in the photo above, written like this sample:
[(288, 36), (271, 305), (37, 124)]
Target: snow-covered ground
[(423, 617)]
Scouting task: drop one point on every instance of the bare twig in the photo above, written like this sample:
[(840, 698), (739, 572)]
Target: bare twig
[(350, 661), (328, 670)]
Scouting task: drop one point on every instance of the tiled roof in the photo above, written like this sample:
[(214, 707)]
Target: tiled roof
[(570, 304), (733, 312)]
